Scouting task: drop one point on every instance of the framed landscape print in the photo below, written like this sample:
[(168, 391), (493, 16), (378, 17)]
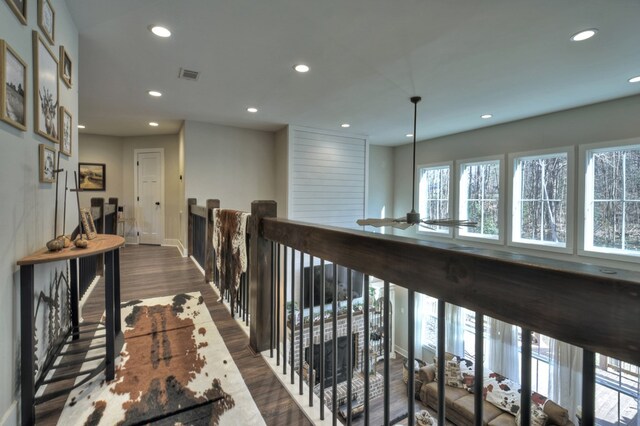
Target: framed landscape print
[(47, 19), (65, 67), (13, 93), (19, 8), (45, 90), (92, 176), (66, 121), (47, 164)]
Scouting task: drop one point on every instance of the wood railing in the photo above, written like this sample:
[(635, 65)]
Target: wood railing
[(105, 220), (595, 308), (200, 249)]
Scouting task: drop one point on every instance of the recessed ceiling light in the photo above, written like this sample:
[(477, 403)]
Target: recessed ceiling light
[(301, 68), (345, 125), (153, 124), (81, 126), (486, 116), (154, 93), (160, 31), (252, 109), (635, 79), (409, 135), (584, 35)]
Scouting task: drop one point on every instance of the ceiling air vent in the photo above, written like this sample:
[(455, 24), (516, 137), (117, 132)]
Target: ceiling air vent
[(186, 74)]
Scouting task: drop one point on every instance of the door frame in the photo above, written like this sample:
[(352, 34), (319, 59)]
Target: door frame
[(135, 190)]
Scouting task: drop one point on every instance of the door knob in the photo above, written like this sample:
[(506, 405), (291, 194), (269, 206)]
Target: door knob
[(157, 203)]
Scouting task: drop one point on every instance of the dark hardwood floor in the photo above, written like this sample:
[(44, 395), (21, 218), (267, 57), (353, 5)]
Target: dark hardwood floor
[(152, 271)]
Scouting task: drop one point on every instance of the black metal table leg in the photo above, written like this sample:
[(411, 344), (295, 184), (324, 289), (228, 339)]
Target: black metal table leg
[(75, 299), (110, 314), (27, 345), (116, 290)]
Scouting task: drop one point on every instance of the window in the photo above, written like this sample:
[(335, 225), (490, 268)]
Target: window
[(612, 200), (434, 196), (480, 198), (540, 211)]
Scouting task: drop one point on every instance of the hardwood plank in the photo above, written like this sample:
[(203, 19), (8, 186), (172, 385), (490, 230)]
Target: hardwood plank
[(153, 271)]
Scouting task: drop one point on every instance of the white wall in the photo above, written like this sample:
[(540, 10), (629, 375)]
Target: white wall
[(608, 121), (282, 171), (234, 165), (27, 206), (182, 206), (381, 176), (107, 150)]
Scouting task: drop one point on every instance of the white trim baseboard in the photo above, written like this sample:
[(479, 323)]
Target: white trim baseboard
[(401, 351), (10, 417), (174, 242)]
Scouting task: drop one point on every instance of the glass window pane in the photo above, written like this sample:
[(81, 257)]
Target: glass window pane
[(555, 226), (490, 222), (492, 181), (632, 170), (607, 224), (632, 228), (531, 220), (607, 173)]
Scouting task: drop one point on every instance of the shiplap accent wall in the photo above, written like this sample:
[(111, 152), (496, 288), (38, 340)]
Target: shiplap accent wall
[(327, 178)]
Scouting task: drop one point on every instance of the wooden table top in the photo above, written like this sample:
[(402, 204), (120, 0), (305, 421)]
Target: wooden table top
[(102, 243)]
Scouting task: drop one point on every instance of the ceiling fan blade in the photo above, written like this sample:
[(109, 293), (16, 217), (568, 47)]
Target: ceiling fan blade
[(454, 223), (395, 223)]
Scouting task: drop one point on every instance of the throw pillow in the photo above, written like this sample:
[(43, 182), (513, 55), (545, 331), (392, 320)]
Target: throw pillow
[(452, 374), (538, 417), (468, 374)]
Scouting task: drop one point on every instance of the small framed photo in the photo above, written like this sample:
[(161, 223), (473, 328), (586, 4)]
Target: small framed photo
[(65, 126), (92, 176), (47, 164), (45, 92), (19, 8), (13, 93), (47, 19), (87, 223), (66, 67)]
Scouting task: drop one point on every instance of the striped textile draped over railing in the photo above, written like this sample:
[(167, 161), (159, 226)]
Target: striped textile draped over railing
[(580, 304)]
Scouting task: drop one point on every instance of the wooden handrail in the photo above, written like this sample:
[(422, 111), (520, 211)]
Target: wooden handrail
[(585, 305)]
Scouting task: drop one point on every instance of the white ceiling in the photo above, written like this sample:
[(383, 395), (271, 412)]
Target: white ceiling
[(510, 58)]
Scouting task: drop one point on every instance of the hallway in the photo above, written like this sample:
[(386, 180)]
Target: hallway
[(153, 271)]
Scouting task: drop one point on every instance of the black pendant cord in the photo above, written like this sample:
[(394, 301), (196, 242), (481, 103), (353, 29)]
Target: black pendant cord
[(415, 101)]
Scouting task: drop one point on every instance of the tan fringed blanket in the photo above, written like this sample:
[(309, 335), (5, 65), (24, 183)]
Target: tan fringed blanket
[(229, 243)]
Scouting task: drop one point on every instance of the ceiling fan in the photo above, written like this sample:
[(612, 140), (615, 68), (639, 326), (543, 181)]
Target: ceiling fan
[(413, 217)]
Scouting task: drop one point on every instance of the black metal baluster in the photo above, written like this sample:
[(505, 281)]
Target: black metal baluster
[(273, 301), (334, 351), (293, 312), (588, 388), (311, 372), (322, 354), (525, 395), (350, 346), (411, 356), (301, 307), (479, 362), (367, 361), (284, 311), (387, 350), (440, 366)]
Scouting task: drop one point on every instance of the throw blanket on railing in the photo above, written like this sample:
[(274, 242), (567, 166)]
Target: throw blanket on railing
[(229, 243)]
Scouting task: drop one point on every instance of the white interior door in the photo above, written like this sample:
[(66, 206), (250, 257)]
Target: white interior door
[(149, 200)]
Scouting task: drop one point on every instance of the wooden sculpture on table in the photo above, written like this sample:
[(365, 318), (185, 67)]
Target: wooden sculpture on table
[(56, 244), (80, 242), (66, 241)]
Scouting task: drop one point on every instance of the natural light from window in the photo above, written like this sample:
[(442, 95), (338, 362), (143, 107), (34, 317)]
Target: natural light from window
[(480, 198), (434, 195)]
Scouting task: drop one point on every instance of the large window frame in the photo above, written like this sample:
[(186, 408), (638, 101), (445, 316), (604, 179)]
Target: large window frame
[(587, 198), (514, 209), (462, 188), (423, 209)]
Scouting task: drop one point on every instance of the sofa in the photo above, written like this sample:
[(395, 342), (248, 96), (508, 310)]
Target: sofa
[(459, 401)]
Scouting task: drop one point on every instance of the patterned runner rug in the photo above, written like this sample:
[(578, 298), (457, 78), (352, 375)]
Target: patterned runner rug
[(174, 368)]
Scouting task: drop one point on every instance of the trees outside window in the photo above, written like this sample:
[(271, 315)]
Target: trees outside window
[(540, 199), (434, 195), (480, 198), (612, 200)]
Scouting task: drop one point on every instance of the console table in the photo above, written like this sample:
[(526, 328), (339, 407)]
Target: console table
[(103, 243)]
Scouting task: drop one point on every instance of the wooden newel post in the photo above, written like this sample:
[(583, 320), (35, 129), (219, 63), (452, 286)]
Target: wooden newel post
[(114, 218), (190, 202), (208, 250), (260, 284)]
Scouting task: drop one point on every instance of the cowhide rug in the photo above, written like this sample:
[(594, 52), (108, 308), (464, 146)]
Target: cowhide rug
[(174, 368)]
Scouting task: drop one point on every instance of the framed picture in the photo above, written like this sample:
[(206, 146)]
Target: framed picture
[(45, 89), (65, 67), (92, 176), (47, 164), (66, 121), (87, 223), (13, 93), (47, 19), (19, 8)]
